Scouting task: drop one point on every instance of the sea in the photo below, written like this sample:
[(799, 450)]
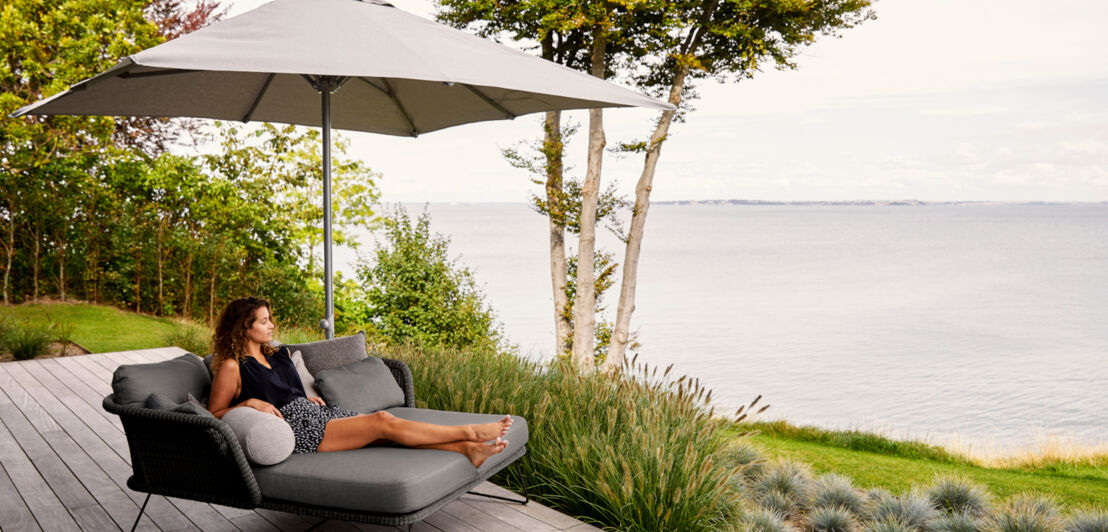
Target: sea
[(983, 326)]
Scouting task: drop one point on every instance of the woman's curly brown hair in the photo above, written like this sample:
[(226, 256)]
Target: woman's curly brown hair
[(229, 340)]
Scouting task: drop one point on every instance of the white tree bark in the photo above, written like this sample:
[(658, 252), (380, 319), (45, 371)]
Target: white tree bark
[(584, 304), (552, 148)]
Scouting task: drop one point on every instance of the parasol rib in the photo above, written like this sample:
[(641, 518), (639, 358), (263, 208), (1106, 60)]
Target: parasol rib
[(507, 114), (258, 98), (387, 91)]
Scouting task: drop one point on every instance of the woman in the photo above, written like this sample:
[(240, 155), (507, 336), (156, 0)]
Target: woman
[(249, 372)]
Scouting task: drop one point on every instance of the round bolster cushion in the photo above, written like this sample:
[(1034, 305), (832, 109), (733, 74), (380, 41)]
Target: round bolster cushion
[(265, 438)]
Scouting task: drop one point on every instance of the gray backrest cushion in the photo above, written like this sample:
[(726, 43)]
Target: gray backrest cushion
[(175, 378), (158, 401), (365, 386), (327, 354), (306, 377)]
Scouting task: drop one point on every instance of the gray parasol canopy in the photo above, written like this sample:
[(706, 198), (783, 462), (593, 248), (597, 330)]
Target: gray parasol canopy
[(365, 64)]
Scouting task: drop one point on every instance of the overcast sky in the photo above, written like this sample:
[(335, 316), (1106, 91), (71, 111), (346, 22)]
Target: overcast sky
[(934, 100)]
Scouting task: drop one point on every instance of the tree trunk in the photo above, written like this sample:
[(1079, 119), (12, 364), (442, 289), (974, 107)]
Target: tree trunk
[(61, 269), (161, 263), (187, 308), (621, 334), (9, 249), (138, 281), (584, 306), (553, 149), (35, 264), (211, 292)]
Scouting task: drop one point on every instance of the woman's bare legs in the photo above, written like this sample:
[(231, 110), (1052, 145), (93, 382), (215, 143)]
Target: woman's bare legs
[(359, 431), (476, 452)]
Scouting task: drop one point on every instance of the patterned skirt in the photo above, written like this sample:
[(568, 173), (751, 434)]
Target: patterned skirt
[(308, 421)]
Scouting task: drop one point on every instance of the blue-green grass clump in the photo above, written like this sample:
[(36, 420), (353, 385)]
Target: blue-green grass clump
[(746, 457), (762, 520), (957, 495), (832, 519), (955, 522), (1025, 513), (892, 525), (833, 490), (911, 509), (1088, 522)]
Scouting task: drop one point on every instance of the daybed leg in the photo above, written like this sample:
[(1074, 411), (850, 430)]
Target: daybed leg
[(313, 527), (143, 509), (524, 500)]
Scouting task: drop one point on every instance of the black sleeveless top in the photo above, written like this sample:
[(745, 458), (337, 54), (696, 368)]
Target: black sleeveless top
[(277, 386)]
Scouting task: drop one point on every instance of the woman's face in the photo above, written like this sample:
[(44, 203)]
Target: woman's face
[(262, 330)]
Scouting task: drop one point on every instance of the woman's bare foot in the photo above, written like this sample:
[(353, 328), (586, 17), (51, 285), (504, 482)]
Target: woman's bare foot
[(491, 431), (479, 452)]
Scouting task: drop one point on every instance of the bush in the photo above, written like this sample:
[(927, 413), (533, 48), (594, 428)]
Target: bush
[(791, 480), (747, 458), (630, 452), (415, 292), (1025, 513), (892, 525), (957, 495), (832, 519), (195, 339), (954, 522), (835, 491), (1088, 522)]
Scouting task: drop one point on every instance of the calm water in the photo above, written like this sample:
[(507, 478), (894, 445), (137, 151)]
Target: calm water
[(975, 323)]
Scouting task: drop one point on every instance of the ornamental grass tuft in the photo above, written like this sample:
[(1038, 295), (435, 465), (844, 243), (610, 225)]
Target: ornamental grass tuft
[(833, 490), (1025, 513), (892, 525), (630, 450), (746, 457), (1088, 522), (27, 340), (958, 495), (832, 519), (911, 509), (195, 339), (955, 522), (762, 520)]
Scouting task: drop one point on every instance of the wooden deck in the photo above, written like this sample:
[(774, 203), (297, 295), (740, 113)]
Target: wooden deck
[(64, 465)]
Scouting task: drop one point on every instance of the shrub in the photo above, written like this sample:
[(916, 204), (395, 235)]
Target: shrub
[(1025, 513), (193, 338), (912, 510), (26, 340), (832, 519), (625, 450), (1088, 522), (746, 457), (778, 503), (957, 495), (415, 292), (762, 520), (954, 522), (835, 491)]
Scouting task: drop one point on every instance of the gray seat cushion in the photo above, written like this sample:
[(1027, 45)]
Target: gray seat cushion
[(382, 479), (175, 379), (327, 354)]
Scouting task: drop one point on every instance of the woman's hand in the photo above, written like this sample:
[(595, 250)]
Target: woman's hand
[(262, 406), (318, 400)]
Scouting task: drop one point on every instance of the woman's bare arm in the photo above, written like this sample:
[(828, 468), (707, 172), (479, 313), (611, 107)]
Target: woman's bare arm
[(226, 386)]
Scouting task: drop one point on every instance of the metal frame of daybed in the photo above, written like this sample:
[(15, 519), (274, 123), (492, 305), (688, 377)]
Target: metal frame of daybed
[(198, 458)]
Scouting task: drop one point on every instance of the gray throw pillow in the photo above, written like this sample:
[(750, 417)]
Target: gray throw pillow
[(192, 406), (365, 386), (305, 378), (175, 378), (327, 354), (265, 438)]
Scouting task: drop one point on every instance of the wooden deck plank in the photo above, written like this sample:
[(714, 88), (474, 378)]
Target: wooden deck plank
[(78, 389), (476, 518), (47, 509), (162, 515), (543, 513), (13, 511), (507, 512), (445, 521)]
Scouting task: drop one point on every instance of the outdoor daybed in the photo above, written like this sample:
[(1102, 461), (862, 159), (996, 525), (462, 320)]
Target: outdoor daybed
[(179, 451)]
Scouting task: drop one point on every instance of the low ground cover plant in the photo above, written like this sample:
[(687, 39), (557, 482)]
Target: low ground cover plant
[(26, 339)]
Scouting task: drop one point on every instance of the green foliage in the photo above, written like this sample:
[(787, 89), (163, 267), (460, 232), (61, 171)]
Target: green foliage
[(832, 519), (958, 496), (911, 509), (26, 339), (783, 486), (856, 441), (626, 451), (892, 525), (954, 523), (745, 456), (195, 339), (416, 292)]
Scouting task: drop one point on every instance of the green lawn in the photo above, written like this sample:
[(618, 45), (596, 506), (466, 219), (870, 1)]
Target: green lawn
[(873, 461), (98, 328)]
